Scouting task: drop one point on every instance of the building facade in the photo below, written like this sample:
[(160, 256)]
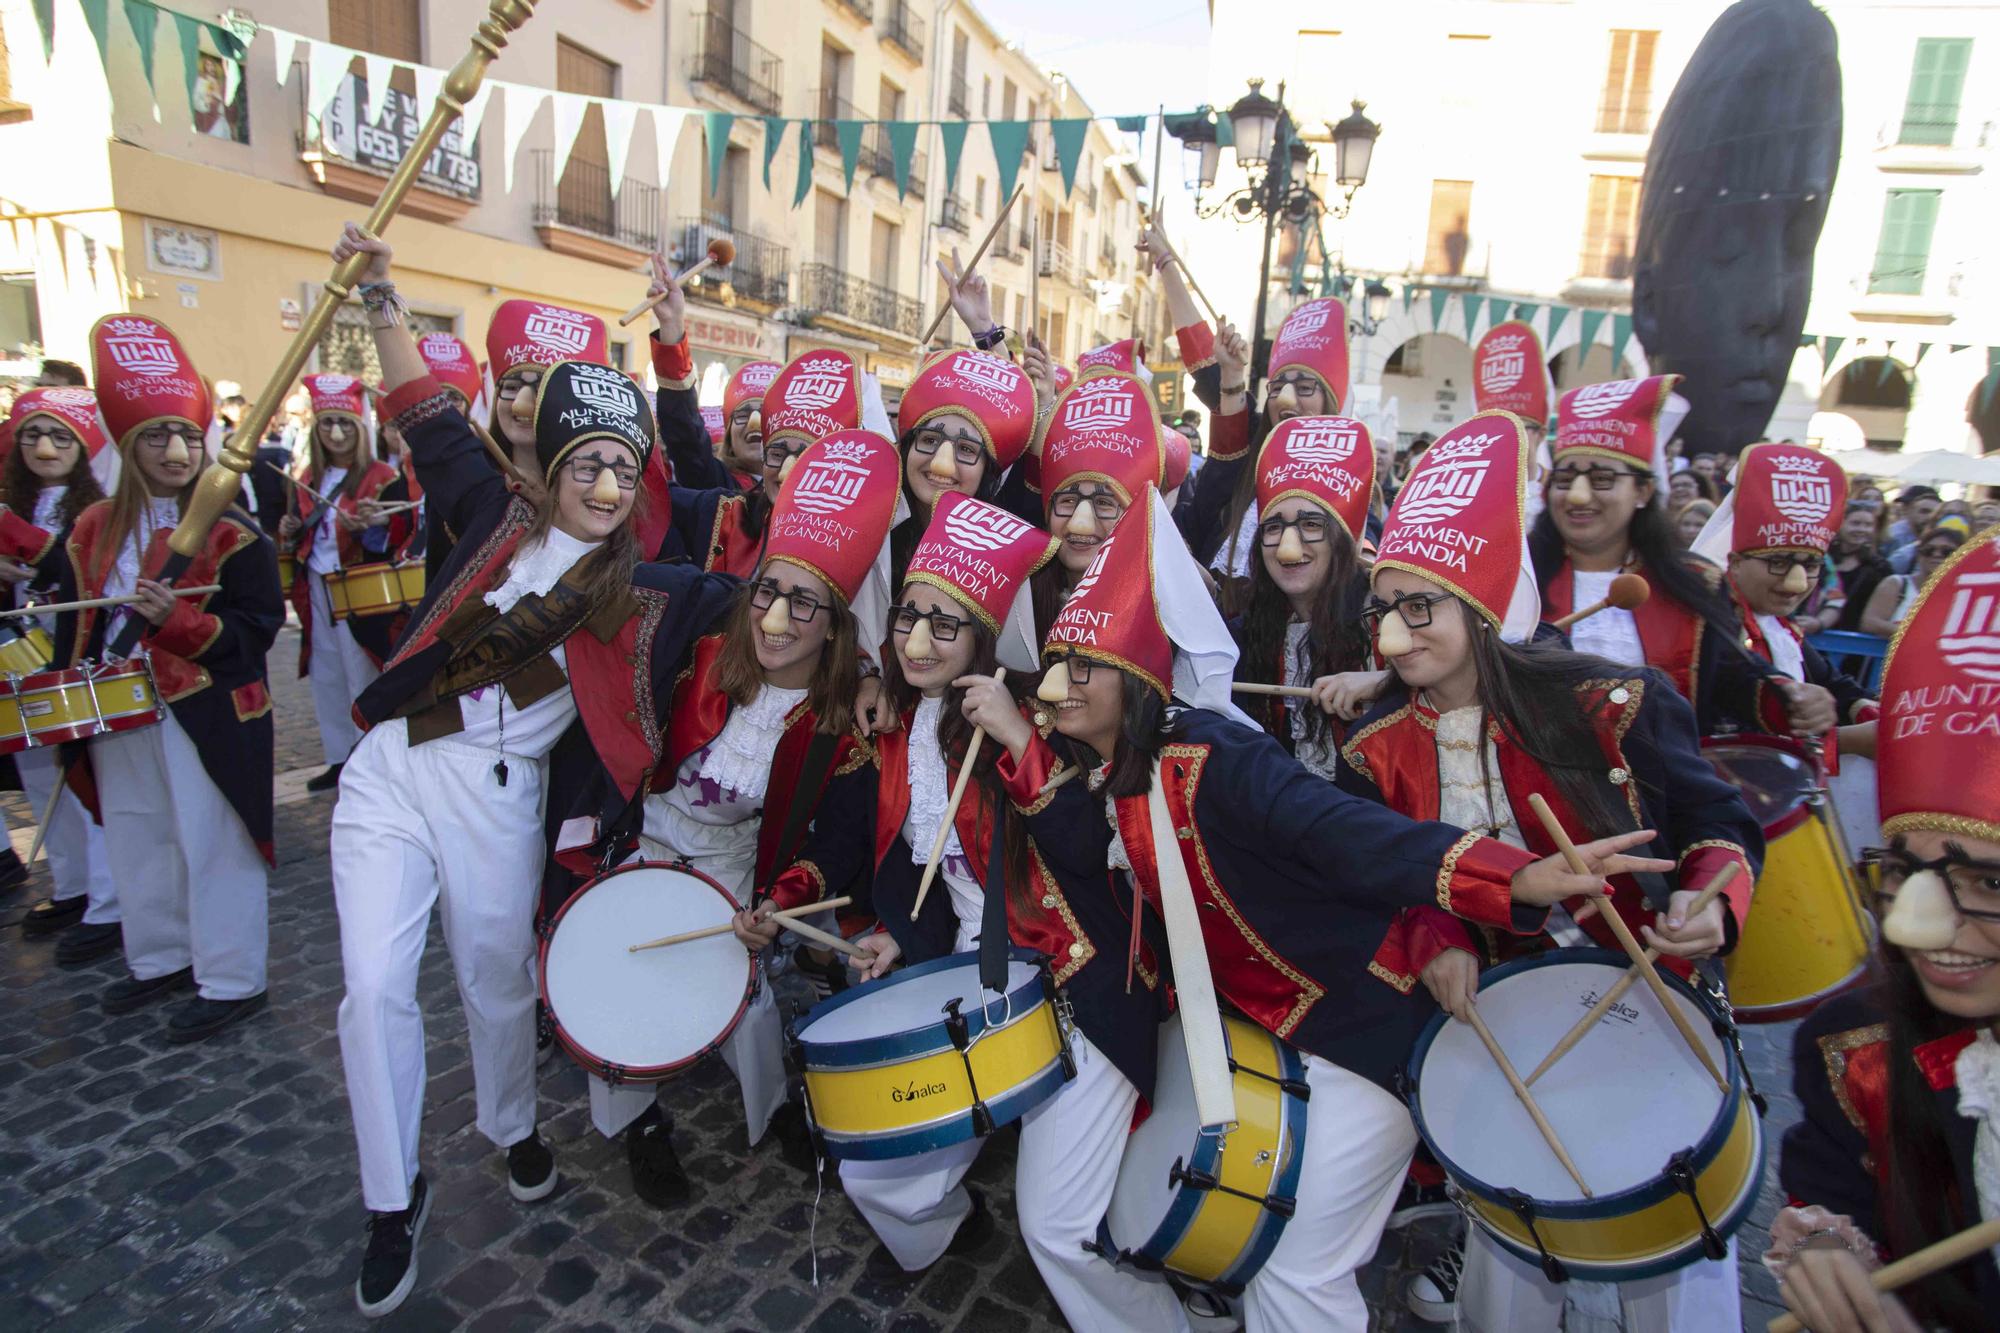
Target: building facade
[(217, 218), (1510, 169)]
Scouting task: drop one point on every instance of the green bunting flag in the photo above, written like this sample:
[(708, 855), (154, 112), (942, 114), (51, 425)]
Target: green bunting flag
[(715, 124), (45, 19), (902, 150), (1956, 348), (1010, 140), (1829, 351), (774, 133), (1593, 320), (805, 181), (188, 30), (145, 21), (1923, 350), (1068, 136), (1438, 298), (1468, 306), (1988, 385), (1525, 312), (847, 134), (97, 14), (952, 135), (1558, 316), (1131, 124), (1889, 368), (1621, 333), (1808, 340), (1409, 295)]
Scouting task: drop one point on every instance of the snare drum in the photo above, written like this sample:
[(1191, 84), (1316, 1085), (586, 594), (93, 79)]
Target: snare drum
[(378, 589), (643, 1017), (1211, 1207), (51, 707), (22, 653), (1674, 1163), (1807, 935), (924, 1059)]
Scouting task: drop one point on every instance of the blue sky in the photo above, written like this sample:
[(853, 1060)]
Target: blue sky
[(1122, 55)]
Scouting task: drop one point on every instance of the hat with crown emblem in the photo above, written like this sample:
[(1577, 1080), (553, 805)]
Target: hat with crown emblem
[(748, 383), (143, 376), (581, 401), (1104, 428), (451, 363), (1783, 497), (1510, 374), (1630, 421), (983, 557), (532, 333), (990, 391), (1328, 460), (1127, 356), (337, 395), (66, 405), (1314, 339), (833, 516), (818, 394)]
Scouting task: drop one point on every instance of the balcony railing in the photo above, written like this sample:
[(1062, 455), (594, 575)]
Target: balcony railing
[(880, 158), (1898, 275), (832, 107), (582, 201), (954, 217), (760, 272), (1056, 262), (903, 30), (1929, 123), (1625, 117), (861, 9), (726, 58), (960, 98), (1003, 246), (825, 290)]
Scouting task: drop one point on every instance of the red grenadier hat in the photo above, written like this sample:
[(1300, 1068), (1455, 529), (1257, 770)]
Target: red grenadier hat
[(1510, 374), (991, 391), (1126, 356), (143, 376), (834, 514), (1783, 497), (337, 395), (530, 333), (1314, 339), (451, 363), (1104, 428), (1177, 459), (748, 384), (72, 407), (1328, 460), (716, 422), (983, 557), (818, 394), (1630, 420)]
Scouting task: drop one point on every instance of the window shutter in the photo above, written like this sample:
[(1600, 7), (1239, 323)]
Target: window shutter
[(1937, 82), (1908, 219)]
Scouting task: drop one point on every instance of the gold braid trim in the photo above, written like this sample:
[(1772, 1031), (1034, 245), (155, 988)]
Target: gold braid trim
[(1724, 843), (1449, 867), (1351, 751), (1045, 880), (1983, 829), (1401, 981), (1833, 1049)]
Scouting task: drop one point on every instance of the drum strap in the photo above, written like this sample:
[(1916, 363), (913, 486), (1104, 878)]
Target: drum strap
[(993, 909), (1194, 986), (813, 773)]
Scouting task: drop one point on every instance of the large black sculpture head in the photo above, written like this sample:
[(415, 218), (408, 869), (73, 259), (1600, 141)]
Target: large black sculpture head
[(1735, 193)]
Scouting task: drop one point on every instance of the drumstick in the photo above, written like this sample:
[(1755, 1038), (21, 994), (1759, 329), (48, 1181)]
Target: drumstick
[(944, 309), (1285, 691), (1627, 942), (1626, 592), (721, 251), (1631, 978), (710, 932), (817, 936), (951, 811), (48, 813), (1527, 1098), (1187, 274), (1916, 1267), (125, 600), (296, 482)]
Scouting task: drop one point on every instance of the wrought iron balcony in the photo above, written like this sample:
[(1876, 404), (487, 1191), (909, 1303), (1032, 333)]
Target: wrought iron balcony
[(861, 9), (582, 201), (825, 290), (725, 58), (1056, 262), (902, 29), (954, 217), (959, 100), (832, 107), (760, 272), (880, 158), (1934, 123)]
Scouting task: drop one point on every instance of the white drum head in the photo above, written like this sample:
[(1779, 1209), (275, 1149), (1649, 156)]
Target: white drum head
[(1169, 1134), (911, 1000), (1623, 1100), (658, 1007)]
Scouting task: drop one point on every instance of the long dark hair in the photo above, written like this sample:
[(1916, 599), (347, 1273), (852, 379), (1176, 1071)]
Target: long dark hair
[(903, 538), (19, 486), (1335, 640), (1921, 1203), (836, 677), (955, 734), (1671, 570), (613, 574), (1141, 733)]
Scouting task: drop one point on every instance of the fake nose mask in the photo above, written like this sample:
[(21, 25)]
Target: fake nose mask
[(944, 463), (1054, 688), (778, 619), (524, 403), (1578, 493), (1287, 398), (1083, 522), (1923, 915), (754, 430), (791, 462), (1291, 550), (1794, 581), (1392, 637), (177, 449), (45, 449), (605, 489), (919, 645)]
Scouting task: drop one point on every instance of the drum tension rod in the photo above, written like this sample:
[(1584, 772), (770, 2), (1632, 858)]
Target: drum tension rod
[(1182, 1174), (614, 1074), (960, 1032), (1523, 1207), (1680, 1170), (1727, 1027), (1295, 1087)]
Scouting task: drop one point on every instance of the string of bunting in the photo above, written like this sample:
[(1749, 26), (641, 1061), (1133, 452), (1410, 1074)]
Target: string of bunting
[(143, 20)]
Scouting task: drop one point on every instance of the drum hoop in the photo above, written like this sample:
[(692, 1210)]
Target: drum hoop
[(1619, 1202), (634, 1073), (800, 1029)]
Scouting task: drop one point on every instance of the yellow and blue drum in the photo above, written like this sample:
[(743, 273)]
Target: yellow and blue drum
[(1209, 1206), (1673, 1162), (23, 652), (925, 1059)]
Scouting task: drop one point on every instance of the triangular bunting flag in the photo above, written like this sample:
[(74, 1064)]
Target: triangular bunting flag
[(1593, 320), (951, 134), (1438, 298), (1068, 136), (1956, 348), (145, 21), (847, 135), (1468, 305), (325, 63), (378, 70), (1131, 124), (1829, 350), (1992, 380), (774, 133), (667, 122), (45, 19), (96, 13), (620, 117), (1923, 350), (227, 42), (429, 83), (283, 46), (1888, 370), (715, 127), (1010, 140), (570, 109), (1558, 316), (521, 105), (805, 180), (1409, 295), (902, 149), (1525, 312), (1621, 333), (474, 119), (189, 32)]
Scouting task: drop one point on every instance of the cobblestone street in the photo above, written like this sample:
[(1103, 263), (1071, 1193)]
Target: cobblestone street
[(215, 1185)]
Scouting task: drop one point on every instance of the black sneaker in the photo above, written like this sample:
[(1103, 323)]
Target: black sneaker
[(1418, 1202), (657, 1174), (794, 1136), (975, 1230), (13, 871), (389, 1268), (545, 1034), (53, 914), (326, 781), (132, 993), (87, 943), (200, 1017), (1433, 1293), (531, 1169)]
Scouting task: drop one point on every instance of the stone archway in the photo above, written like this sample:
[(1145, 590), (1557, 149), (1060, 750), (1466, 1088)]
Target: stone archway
[(1429, 378), (1876, 392)]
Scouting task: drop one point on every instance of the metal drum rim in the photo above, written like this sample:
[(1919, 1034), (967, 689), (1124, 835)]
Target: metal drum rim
[(871, 1052)]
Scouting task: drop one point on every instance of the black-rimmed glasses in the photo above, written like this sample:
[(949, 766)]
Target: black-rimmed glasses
[(1600, 478), (804, 605), (1974, 885), (1104, 504), (966, 450), (1414, 607), (944, 626), (1312, 528)]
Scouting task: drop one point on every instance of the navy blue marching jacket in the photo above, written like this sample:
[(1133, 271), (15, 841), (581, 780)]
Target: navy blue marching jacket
[(699, 514), (1297, 882), (1837, 1156), (622, 659)]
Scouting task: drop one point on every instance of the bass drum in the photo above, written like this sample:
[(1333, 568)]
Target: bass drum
[(643, 1017)]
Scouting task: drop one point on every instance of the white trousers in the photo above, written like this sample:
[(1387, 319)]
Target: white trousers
[(754, 1052), (1500, 1292), (191, 883), (78, 861), (1357, 1146), (340, 669), (416, 826)]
